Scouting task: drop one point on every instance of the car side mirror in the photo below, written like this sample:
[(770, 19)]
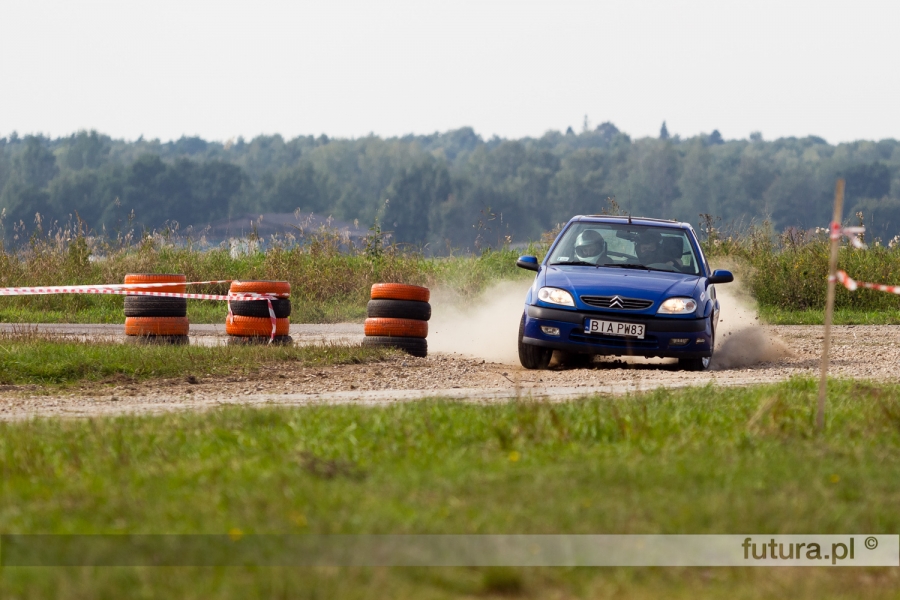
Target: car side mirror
[(720, 276), (528, 262)]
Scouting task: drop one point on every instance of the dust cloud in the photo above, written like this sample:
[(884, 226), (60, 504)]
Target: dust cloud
[(485, 327), (740, 340)]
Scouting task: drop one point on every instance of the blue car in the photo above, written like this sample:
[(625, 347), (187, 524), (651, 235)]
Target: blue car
[(621, 286)]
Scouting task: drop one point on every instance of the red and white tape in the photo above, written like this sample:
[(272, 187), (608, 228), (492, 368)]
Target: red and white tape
[(851, 284), (122, 289), (849, 232), (112, 288)]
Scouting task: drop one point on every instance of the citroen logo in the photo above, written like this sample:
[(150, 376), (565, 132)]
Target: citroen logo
[(616, 302)]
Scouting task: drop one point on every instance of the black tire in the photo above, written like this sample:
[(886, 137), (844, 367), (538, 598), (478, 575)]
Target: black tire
[(413, 346), (702, 363), (280, 340), (574, 360), (155, 306), (260, 308), (159, 340), (532, 357), (399, 309), (694, 364)]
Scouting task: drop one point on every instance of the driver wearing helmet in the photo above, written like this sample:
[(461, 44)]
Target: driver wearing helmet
[(648, 249), (590, 246)]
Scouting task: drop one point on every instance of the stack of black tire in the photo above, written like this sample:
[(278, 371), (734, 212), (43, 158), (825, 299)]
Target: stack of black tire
[(249, 321), (156, 319), (397, 318)]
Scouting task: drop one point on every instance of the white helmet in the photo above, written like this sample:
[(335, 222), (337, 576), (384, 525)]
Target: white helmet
[(589, 244)]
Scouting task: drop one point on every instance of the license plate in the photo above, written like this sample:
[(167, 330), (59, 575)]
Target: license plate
[(635, 330)]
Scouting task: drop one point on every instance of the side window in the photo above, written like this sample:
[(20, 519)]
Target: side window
[(687, 257), (701, 257)]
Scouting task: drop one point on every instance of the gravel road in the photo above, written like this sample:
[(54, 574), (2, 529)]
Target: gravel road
[(761, 354)]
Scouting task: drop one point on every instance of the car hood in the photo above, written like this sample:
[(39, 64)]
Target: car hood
[(630, 283)]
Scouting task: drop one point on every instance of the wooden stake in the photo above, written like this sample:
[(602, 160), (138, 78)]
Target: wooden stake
[(829, 303)]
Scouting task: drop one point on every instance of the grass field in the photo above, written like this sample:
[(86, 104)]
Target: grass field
[(36, 359), (330, 282), (703, 460), (844, 316)]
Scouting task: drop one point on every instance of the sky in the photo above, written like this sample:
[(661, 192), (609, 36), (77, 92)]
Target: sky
[(224, 69)]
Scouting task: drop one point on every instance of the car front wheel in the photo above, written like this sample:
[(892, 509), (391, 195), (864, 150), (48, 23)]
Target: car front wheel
[(532, 357), (702, 363), (574, 360)]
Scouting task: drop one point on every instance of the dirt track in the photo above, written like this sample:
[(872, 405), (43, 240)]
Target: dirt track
[(871, 352)]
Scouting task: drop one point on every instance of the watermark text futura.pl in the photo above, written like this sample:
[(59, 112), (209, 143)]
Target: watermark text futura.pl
[(796, 550)]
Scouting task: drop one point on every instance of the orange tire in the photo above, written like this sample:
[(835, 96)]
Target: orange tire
[(255, 326), (156, 278), (156, 325), (400, 291), (279, 288), (397, 327)]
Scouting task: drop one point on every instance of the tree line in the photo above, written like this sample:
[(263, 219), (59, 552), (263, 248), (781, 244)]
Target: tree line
[(445, 190)]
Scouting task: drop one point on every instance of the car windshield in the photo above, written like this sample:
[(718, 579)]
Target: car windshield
[(626, 246)]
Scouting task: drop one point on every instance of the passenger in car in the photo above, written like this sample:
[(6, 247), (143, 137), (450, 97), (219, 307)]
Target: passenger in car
[(672, 249), (651, 248)]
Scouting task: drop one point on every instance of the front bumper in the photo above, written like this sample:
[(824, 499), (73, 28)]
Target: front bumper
[(661, 334)]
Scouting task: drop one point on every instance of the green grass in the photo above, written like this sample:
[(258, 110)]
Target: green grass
[(704, 460), (329, 282), (787, 273), (844, 316), (41, 360)]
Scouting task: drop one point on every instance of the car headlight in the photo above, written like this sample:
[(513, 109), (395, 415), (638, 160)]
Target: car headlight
[(678, 306), (555, 296)]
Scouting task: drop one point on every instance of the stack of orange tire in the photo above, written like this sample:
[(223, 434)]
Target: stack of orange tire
[(156, 318), (398, 318), (250, 320)]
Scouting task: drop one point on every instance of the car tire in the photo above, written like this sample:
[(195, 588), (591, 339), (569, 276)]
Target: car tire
[(179, 281), (278, 340), (400, 291), (574, 360), (410, 345), (255, 326), (396, 327), (155, 306), (177, 326), (532, 357), (702, 363), (260, 308), (275, 288), (398, 309), (694, 364), (159, 340)]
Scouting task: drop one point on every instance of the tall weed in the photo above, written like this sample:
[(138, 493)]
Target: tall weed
[(790, 270), (330, 276)]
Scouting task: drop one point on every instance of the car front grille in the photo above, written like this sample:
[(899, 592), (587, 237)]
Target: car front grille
[(650, 342), (617, 302)]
